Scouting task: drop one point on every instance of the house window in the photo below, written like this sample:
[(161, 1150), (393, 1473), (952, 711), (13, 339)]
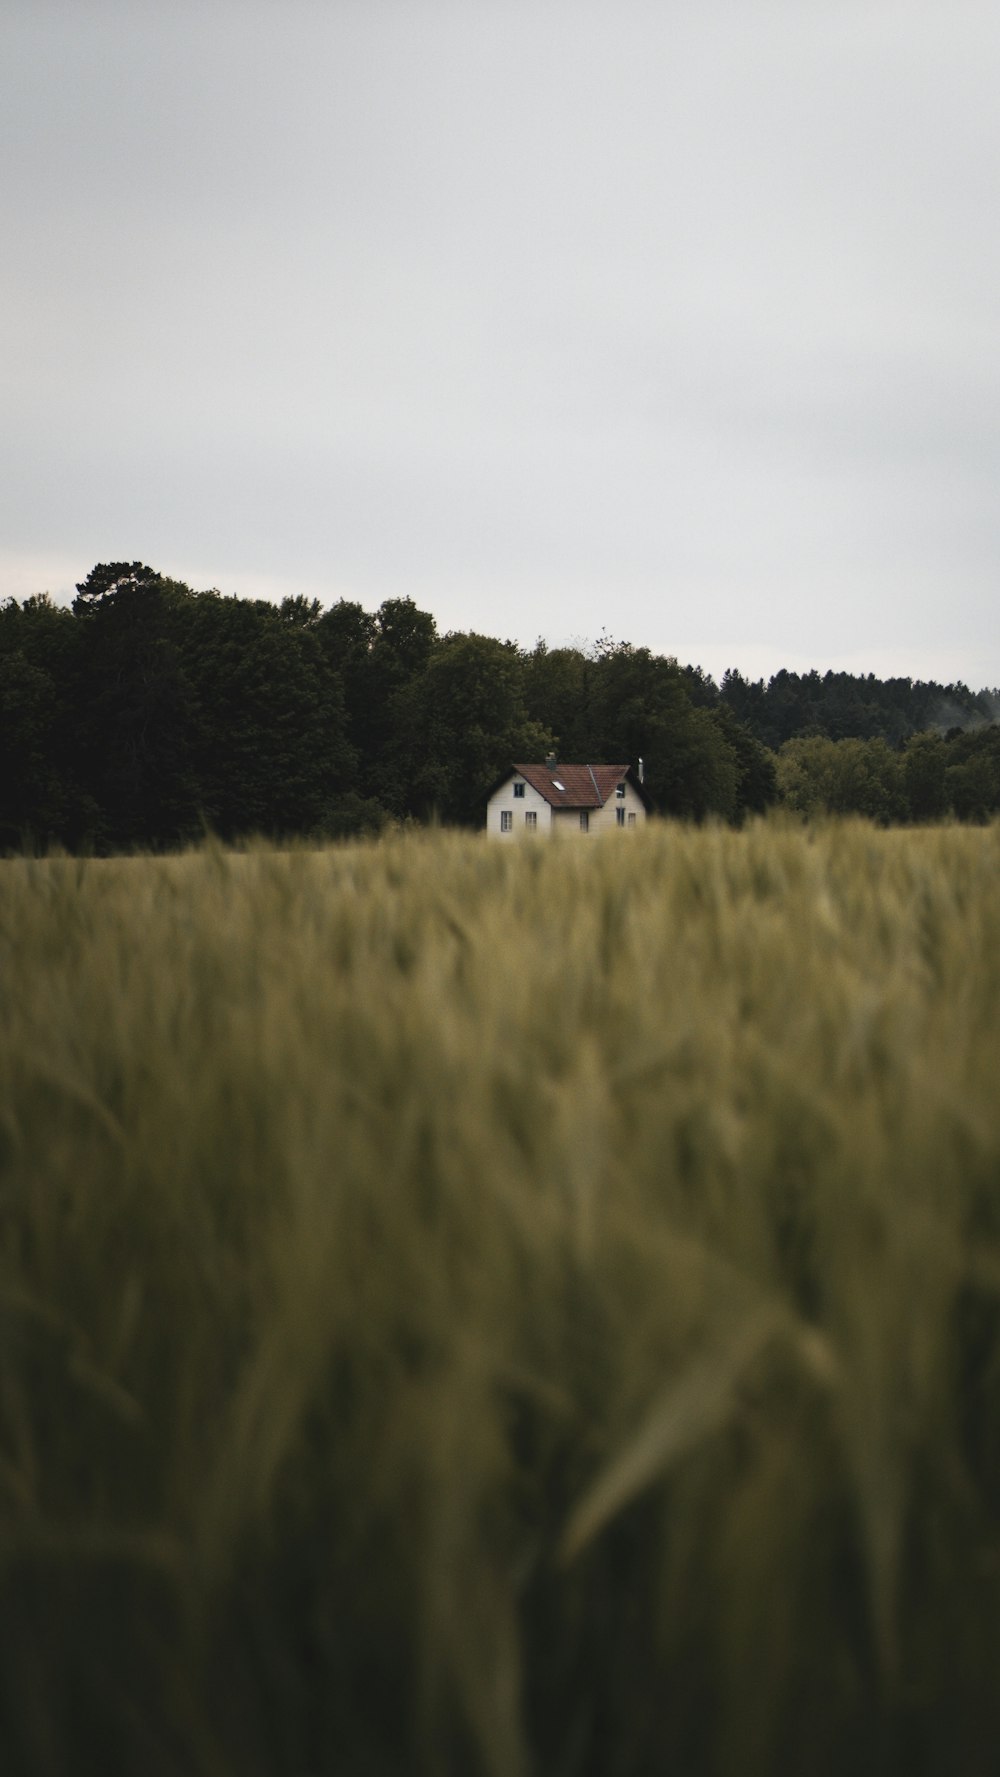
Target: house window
[(631, 820), (620, 812), (530, 818), (506, 820), (620, 792), (584, 820), (519, 790)]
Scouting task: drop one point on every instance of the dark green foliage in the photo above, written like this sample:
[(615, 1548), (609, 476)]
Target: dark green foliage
[(272, 749), (972, 772), (31, 798), (641, 708), (377, 658), (821, 776), (924, 777), (756, 785), (152, 711), (844, 706), (42, 796), (620, 703), (459, 723), (931, 777), (136, 712), (558, 686), (109, 579)]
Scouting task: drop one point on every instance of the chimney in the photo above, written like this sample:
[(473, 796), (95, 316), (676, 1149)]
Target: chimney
[(551, 760), (642, 771)]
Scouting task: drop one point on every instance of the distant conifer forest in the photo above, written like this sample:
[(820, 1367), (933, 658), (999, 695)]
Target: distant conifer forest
[(148, 713)]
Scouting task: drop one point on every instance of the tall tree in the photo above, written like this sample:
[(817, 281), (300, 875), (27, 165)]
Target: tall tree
[(821, 776), (558, 686), (272, 750), (756, 784), (925, 791), (972, 772), (135, 709), (402, 646), (42, 797), (459, 723), (641, 708)]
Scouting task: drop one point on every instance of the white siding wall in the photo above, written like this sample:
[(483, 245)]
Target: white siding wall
[(518, 807), (603, 819), (556, 820), (567, 820)]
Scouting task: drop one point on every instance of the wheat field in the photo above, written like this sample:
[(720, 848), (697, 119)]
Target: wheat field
[(522, 1311)]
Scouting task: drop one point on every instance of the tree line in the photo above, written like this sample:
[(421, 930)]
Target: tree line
[(148, 713)]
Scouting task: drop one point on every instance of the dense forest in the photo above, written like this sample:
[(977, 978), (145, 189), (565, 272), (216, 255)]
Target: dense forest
[(149, 713)]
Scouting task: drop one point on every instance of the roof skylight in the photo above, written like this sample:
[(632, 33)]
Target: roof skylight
[(558, 785)]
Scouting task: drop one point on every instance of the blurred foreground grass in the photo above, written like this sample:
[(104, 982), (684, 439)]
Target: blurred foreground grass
[(468, 1310)]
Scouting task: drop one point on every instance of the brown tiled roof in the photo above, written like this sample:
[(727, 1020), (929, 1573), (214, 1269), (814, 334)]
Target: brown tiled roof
[(574, 786)]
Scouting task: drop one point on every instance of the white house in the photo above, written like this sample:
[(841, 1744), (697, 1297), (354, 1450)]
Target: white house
[(553, 798)]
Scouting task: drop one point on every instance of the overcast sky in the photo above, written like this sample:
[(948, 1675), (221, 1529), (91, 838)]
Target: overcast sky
[(678, 320)]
